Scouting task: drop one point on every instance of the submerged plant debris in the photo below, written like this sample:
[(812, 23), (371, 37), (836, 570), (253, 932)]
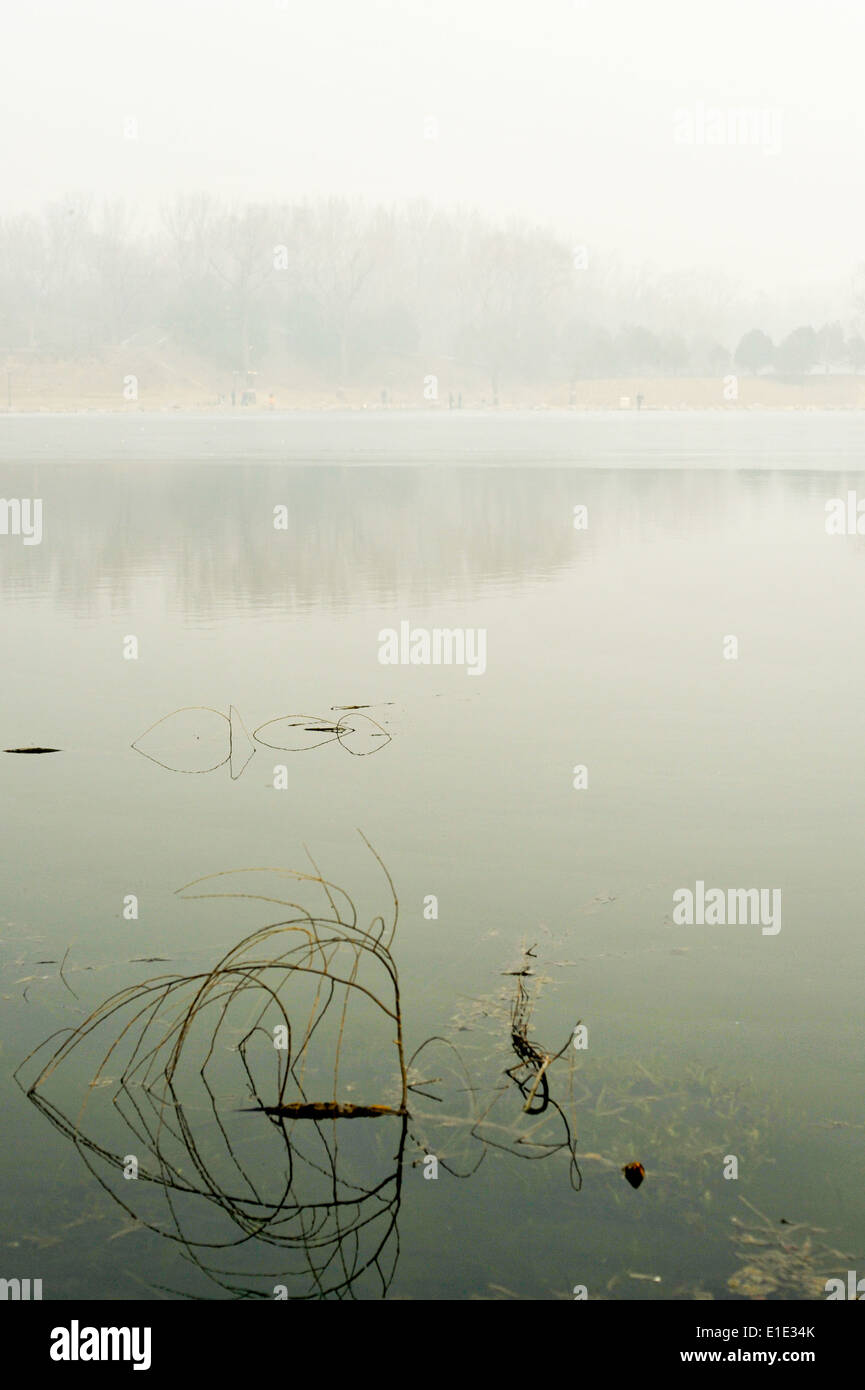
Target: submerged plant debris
[(301, 1024), (789, 1263), (229, 1089)]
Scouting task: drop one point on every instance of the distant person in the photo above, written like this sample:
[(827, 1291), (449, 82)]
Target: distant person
[(271, 401)]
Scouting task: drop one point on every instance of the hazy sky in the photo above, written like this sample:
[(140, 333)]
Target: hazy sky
[(561, 110)]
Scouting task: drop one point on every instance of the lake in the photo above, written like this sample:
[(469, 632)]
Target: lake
[(670, 699)]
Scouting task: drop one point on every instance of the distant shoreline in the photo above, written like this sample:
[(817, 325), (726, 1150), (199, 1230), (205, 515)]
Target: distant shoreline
[(65, 390)]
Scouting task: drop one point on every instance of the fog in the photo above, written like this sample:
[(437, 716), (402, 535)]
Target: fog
[(702, 159)]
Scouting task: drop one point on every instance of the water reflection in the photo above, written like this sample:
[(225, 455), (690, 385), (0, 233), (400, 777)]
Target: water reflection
[(352, 535), (198, 739)]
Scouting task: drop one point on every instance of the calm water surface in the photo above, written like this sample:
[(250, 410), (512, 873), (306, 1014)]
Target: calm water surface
[(604, 649)]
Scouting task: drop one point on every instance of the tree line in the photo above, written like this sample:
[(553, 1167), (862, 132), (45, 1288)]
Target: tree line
[(338, 288)]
